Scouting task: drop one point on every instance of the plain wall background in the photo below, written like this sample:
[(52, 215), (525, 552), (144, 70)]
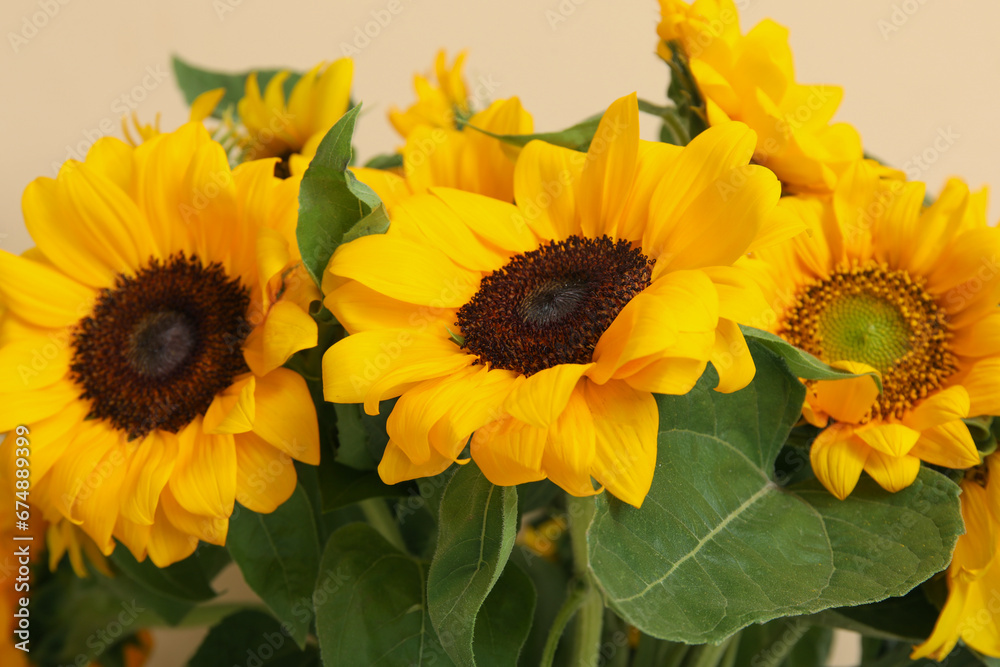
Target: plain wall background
[(912, 70)]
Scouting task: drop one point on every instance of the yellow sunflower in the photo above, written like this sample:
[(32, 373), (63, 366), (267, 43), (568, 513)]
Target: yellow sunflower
[(546, 326), (436, 106), (880, 283), (751, 78), (292, 131), (144, 339), (974, 573), (201, 108), (465, 159)]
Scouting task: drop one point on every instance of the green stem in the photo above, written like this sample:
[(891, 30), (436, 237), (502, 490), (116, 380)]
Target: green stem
[(381, 519), (566, 612), (675, 126), (709, 655), (590, 620)]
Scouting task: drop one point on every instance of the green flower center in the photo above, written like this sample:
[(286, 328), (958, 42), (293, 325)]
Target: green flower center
[(880, 317)]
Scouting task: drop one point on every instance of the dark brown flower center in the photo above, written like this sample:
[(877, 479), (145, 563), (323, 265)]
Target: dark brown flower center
[(161, 344), (880, 317), (550, 306)]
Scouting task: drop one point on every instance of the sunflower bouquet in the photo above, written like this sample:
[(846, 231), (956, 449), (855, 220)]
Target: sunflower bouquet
[(498, 396)]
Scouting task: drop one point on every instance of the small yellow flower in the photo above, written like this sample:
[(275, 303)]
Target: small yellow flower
[(444, 147), (436, 106), (201, 108), (751, 78), (292, 131), (881, 283), (164, 295), (546, 326), (970, 614)]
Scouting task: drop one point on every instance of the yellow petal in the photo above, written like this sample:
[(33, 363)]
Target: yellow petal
[(625, 426), (404, 270), (947, 629), (25, 407), (977, 548), (850, 399), (570, 448), (149, 469), (609, 168), (497, 222), (96, 506), (670, 375), (77, 470), (359, 308), (210, 529), (371, 366), (544, 181), (949, 445), (35, 361), (390, 188), (542, 397), (205, 104), (891, 439), (232, 410), (395, 467), (286, 330), (265, 477), (731, 358), (740, 297), (944, 406), (51, 436), (167, 544), (286, 416), (893, 473), (204, 477), (509, 452), (838, 458), (483, 404), (42, 295), (983, 388)]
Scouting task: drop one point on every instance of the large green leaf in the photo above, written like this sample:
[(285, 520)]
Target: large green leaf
[(251, 637), (193, 81), (801, 363), (370, 607), (477, 523), (718, 544), (278, 554), (332, 202), (504, 620)]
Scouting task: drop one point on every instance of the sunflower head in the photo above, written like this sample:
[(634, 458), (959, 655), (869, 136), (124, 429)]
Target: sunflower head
[(883, 284), (443, 106), (974, 573), (544, 327), (751, 78), (164, 295), (291, 130)]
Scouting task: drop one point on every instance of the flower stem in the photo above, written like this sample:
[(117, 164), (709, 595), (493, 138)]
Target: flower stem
[(381, 519), (709, 655), (590, 620), (569, 607)]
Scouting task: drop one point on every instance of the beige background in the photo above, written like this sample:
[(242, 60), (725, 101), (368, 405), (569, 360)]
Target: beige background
[(64, 80)]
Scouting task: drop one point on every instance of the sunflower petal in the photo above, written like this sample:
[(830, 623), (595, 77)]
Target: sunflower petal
[(509, 452), (232, 410), (847, 400), (893, 473), (542, 397), (891, 439), (204, 477), (286, 330), (570, 449), (949, 445), (838, 458), (265, 476), (285, 417)]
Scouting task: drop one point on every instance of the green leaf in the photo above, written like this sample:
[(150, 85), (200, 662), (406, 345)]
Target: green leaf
[(193, 81), (278, 554), (577, 137), (332, 201), (504, 620), (251, 637), (385, 161), (801, 363), (352, 437), (718, 544), (370, 607), (376, 222), (343, 485), (910, 618), (171, 591), (477, 524)]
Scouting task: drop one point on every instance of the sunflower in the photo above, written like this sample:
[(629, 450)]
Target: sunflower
[(545, 327), (751, 78), (974, 573), (292, 131), (443, 106), (201, 108), (465, 159), (881, 284), (144, 339)]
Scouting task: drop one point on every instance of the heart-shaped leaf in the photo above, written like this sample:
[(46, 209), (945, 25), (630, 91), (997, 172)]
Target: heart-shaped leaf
[(718, 544)]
